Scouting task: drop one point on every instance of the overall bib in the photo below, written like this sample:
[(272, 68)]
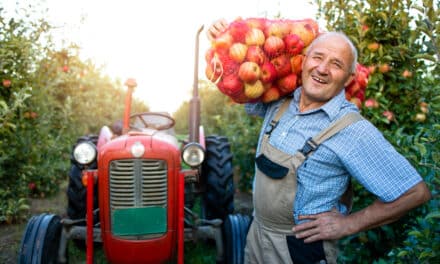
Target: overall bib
[(270, 238)]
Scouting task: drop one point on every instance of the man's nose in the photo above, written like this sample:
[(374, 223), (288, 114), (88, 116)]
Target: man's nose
[(323, 67)]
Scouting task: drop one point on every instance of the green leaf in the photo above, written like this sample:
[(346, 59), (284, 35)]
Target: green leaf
[(433, 215), (421, 148), (415, 233), (402, 253)]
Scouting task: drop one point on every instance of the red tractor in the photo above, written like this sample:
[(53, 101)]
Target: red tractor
[(131, 194)]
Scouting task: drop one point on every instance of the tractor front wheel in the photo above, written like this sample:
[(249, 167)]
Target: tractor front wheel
[(41, 240), (217, 174), (235, 229)]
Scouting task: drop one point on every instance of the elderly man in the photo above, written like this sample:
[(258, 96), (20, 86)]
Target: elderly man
[(310, 146)]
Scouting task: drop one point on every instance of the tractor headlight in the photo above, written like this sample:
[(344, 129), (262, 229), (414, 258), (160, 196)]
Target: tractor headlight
[(85, 153), (193, 154)]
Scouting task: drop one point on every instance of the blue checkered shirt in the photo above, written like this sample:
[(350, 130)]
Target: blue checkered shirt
[(358, 151)]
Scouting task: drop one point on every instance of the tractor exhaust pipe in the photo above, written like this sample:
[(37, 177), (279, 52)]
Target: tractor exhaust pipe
[(194, 105)]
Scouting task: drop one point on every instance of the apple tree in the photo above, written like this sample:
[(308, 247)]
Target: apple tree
[(399, 42)]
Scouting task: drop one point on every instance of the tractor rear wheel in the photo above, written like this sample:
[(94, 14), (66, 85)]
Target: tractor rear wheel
[(41, 240), (217, 174), (235, 229)]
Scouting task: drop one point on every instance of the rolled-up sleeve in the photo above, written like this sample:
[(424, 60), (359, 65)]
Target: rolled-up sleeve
[(376, 164)]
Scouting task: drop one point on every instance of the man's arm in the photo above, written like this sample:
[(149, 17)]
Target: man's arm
[(334, 225)]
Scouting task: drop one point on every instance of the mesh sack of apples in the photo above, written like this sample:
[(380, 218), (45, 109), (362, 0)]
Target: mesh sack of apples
[(259, 59)]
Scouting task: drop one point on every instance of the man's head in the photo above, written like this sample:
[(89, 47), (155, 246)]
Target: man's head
[(328, 67)]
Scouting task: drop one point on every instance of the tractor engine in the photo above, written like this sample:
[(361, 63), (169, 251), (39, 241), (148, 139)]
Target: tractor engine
[(137, 182)]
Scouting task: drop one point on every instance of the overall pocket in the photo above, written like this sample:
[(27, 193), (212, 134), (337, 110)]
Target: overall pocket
[(305, 253), (270, 168)]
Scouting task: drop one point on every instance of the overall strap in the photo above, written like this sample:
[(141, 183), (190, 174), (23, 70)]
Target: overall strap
[(336, 126), (274, 122)]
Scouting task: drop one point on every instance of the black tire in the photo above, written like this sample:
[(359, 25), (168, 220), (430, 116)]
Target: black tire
[(235, 229), (41, 240), (217, 175)]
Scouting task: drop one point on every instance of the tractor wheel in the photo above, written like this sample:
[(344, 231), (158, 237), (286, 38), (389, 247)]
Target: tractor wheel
[(41, 240), (235, 229), (217, 174)]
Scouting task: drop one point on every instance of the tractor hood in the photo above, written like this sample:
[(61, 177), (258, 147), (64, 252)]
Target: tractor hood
[(150, 139)]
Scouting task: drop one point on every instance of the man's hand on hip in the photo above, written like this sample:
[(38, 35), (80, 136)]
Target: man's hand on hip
[(324, 226)]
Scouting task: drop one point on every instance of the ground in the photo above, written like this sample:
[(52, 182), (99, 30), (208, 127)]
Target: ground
[(10, 235)]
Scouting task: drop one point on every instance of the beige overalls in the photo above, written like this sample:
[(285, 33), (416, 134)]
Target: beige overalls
[(270, 238)]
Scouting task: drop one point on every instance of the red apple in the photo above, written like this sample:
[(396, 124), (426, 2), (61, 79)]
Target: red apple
[(353, 87), (384, 68), (238, 51), (65, 68), (249, 71), (282, 65), (255, 37), (31, 186), (371, 103), (253, 90), (6, 83), (356, 101), (389, 115), (238, 30), (305, 31), (224, 41), (276, 28), (294, 45), (406, 74), (232, 85), (268, 72), (373, 46), (288, 83), (296, 63), (255, 54), (273, 46), (271, 94)]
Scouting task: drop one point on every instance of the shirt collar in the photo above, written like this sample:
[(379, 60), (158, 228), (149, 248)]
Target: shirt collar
[(331, 108)]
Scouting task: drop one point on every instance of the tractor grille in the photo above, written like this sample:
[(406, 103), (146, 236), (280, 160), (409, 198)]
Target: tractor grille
[(138, 183)]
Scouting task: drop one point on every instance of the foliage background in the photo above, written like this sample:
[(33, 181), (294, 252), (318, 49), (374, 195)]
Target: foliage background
[(48, 98)]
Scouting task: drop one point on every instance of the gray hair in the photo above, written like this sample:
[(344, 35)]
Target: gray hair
[(344, 37)]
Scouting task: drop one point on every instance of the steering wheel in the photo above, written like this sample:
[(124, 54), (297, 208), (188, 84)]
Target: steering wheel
[(158, 121)]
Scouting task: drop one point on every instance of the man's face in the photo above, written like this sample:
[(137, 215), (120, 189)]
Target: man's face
[(326, 69)]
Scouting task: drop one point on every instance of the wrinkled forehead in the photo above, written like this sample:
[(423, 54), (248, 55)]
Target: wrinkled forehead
[(334, 46)]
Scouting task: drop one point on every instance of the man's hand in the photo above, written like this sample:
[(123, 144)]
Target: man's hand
[(324, 226), (216, 29)]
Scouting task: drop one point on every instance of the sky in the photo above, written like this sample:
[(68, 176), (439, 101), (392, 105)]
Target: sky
[(153, 41)]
